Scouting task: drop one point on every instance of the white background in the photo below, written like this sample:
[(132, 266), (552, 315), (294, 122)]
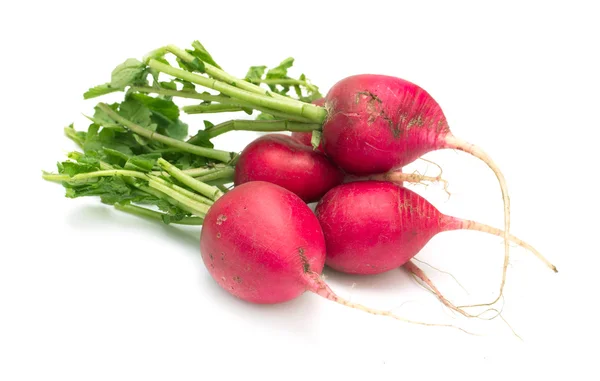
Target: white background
[(87, 293)]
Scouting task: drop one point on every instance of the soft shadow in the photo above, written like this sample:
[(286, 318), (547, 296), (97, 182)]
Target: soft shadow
[(297, 316), (395, 279), (94, 216)]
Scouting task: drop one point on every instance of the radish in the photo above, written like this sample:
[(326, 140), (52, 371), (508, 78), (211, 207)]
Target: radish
[(372, 227), (283, 160)]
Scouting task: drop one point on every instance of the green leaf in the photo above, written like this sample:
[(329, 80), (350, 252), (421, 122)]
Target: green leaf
[(255, 73), (281, 70), (166, 108), (77, 136), (195, 65), (110, 189), (116, 153), (187, 86), (170, 85), (264, 116), (203, 54), (163, 114), (136, 112), (99, 90), (72, 168), (127, 73), (208, 125), (102, 119), (315, 139), (140, 140), (185, 161), (177, 130), (172, 218), (200, 139)]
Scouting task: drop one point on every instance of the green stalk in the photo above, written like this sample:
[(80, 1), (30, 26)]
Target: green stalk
[(314, 113), (196, 207), (208, 190), (186, 147), (216, 98), (109, 173), (183, 191), (142, 187), (55, 177), (159, 194), (224, 173), (144, 212), (221, 75), (209, 109), (195, 172), (260, 125)]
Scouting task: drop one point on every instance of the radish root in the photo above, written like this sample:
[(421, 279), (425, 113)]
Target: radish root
[(399, 177), (443, 272), (472, 225), (319, 287), (419, 274), (439, 177), (454, 142)]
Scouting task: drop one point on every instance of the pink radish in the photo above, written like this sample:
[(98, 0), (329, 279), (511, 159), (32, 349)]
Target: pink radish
[(263, 244), (283, 160), (373, 226)]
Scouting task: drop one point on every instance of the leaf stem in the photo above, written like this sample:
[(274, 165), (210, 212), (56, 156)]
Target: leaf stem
[(186, 147), (144, 212), (288, 105), (208, 190), (55, 177), (212, 108), (224, 173), (143, 187), (223, 76), (183, 191), (216, 98), (109, 173), (196, 207), (260, 125)]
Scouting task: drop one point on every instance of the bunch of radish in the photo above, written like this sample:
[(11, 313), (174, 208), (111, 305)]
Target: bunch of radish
[(260, 240)]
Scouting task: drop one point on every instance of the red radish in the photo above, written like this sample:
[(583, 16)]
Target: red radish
[(283, 160), (306, 137), (376, 123), (374, 226), (263, 244)]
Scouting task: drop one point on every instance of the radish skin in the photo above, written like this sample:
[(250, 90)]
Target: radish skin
[(285, 161)]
